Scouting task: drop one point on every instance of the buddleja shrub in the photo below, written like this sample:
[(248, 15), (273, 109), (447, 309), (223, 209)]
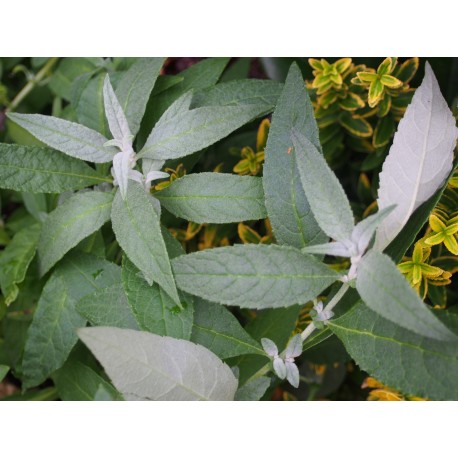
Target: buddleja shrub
[(158, 324)]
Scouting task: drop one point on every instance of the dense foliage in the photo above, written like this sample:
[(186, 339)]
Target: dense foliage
[(216, 234)]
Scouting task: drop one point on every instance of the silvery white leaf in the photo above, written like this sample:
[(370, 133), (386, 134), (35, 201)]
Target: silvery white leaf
[(331, 249), (292, 374), (156, 205), (294, 348), (156, 175), (419, 160), (69, 137), (181, 104), (365, 229), (145, 366), (148, 165), (279, 368), (325, 315), (269, 347), (136, 176), (115, 116), (121, 168)]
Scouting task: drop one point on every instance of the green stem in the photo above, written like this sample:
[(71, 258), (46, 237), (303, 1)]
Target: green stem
[(31, 84), (331, 304)]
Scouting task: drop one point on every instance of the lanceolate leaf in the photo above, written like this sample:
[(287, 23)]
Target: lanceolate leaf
[(288, 209), (215, 198), (419, 160), (384, 290), (52, 335), (15, 260), (135, 87), (153, 308), (72, 139), (43, 170), (78, 217), (218, 330), (257, 276), (144, 366), (401, 359), (325, 194), (193, 130), (138, 231), (117, 121)]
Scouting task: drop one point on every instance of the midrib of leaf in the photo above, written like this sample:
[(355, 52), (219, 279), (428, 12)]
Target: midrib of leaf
[(227, 196), (422, 163), (258, 275), (152, 370), (70, 137), (139, 74), (76, 218), (51, 172), (296, 213), (197, 129), (227, 337)]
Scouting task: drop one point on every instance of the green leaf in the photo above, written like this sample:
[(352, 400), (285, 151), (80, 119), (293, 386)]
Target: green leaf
[(90, 108), (154, 310), (35, 169), (413, 364), (289, 212), (191, 131), (324, 192), (15, 260), (215, 198), (218, 330), (385, 290), (358, 127), (71, 138), (108, 307), (253, 276), (137, 229), (68, 70), (77, 382), (240, 92), (134, 89), (52, 333), (254, 390), (71, 222), (3, 371), (201, 75), (36, 205), (144, 366)]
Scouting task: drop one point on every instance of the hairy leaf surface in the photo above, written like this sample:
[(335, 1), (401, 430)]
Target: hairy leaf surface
[(253, 276), (144, 366), (71, 222), (43, 170), (215, 198), (71, 138)]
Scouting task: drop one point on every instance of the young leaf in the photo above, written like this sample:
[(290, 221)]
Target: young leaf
[(218, 330), (52, 335), (325, 194), (71, 138), (258, 276), (121, 169), (144, 366), (399, 358), (15, 260), (419, 160), (288, 209), (385, 290), (137, 229), (153, 308), (43, 170), (215, 198), (108, 307), (71, 222), (193, 130), (116, 118), (134, 89)]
